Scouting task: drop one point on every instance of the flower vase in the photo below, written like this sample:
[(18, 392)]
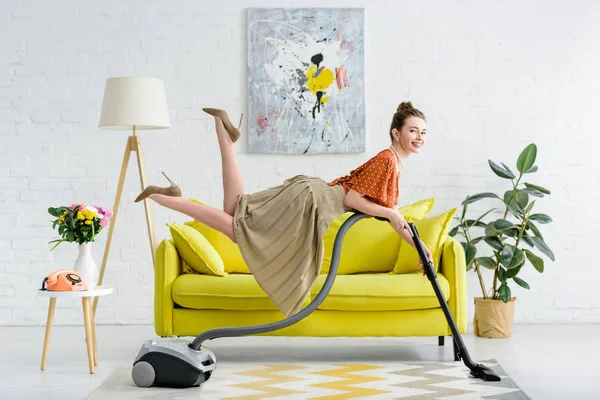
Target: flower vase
[(85, 265)]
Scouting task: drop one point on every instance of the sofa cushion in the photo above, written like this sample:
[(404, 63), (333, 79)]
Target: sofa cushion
[(232, 292), (380, 292), (370, 245), (433, 231), (196, 251), (227, 249)]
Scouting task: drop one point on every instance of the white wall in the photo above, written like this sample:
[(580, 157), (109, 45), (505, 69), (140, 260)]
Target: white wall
[(490, 78)]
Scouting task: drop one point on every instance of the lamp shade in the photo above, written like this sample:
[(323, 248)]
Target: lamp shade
[(133, 101)]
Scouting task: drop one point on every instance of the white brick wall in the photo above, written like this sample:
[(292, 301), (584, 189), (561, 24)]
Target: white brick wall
[(491, 78)]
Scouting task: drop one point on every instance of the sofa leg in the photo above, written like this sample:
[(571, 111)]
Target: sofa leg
[(441, 340)]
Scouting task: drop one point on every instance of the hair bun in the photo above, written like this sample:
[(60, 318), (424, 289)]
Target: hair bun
[(405, 105)]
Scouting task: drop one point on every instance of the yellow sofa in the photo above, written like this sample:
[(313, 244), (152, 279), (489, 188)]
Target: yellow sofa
[(373, 302)]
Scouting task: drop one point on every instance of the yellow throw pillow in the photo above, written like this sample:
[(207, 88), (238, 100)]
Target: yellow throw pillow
[(196, 251), (227, 249), (370, 245), (433, 231)]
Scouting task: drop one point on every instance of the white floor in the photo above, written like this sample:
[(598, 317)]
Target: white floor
[(546, 361)]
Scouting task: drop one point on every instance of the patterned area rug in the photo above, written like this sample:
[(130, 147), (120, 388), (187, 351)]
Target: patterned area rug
[(314, 380)]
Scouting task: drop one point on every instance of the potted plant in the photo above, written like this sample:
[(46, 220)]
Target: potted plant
[(80, 224), (511, 243)]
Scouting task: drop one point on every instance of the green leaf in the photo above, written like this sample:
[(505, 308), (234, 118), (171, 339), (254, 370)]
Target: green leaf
[(506, 227), (479, 196), (521, 282), (536, 187), (537, 262), (533, 192), (470, 252), (531, 170), (501, 274), (53, 211), (522, 198), (453, 231), (506, 254), (534, 229), (518, 259), (486, 262), (61, 229), (511, 257), (501, 172), (464, 210), (527, 239), (527, 158), (484, 214), (478, 239), (507, 169), (469, 267), (511, 273), (503, 224), (511, 204), (543, 247), (494, 242), (472, 222), (504, 292), (529, 207), (541, 218)]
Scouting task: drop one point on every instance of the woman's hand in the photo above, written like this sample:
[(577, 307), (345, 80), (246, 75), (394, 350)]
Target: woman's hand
[(429, 258), (398, 222)]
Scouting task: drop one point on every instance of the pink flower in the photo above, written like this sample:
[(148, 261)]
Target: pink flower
[(82, 206), (104, 212), (103, 222)]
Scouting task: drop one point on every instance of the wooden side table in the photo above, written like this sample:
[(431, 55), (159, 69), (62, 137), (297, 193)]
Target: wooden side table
[(88, 319)]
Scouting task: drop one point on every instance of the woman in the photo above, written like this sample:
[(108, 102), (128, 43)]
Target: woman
[(279, 230)]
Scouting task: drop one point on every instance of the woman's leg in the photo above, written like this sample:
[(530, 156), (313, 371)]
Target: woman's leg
[(233, 186), (213, 217)]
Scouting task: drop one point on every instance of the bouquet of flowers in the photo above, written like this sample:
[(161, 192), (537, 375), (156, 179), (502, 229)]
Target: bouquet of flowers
[(78, 222)]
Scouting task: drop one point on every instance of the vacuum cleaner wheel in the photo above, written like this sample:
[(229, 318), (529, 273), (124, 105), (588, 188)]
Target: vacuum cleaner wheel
[(143, 374)]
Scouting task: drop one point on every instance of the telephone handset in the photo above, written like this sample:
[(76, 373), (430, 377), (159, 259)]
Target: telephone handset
[(64, 280)]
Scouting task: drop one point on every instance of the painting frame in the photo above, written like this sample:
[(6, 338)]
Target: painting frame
[(306, 80)]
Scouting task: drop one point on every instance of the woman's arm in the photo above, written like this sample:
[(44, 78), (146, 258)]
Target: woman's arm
[(359, 202)]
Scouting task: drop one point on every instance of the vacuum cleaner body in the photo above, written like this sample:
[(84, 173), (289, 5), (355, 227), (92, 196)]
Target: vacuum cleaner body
[(186, 365), (172, 364)]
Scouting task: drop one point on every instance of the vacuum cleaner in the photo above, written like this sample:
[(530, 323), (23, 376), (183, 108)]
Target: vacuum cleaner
[(182, 365)]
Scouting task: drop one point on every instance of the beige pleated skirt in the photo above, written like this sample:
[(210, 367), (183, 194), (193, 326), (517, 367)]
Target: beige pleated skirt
[(280, 235)]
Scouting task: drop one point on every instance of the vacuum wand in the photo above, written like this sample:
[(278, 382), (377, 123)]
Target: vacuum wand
[(477, 370)]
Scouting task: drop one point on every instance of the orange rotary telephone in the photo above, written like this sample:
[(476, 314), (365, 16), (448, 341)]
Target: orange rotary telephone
[(64, 280)]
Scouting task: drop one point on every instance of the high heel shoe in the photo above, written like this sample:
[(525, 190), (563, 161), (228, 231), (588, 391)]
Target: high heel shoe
[(172, 190), (234, 132)]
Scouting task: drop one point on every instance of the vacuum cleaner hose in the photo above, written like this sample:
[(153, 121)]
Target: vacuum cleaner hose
[(273, 326)]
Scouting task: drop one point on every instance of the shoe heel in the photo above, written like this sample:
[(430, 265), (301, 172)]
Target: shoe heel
[(169, 179), (240, 124)]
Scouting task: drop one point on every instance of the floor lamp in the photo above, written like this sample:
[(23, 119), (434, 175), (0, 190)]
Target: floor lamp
[(132, 104)]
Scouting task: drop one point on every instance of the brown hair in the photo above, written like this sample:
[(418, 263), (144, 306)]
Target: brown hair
[(405, 110)]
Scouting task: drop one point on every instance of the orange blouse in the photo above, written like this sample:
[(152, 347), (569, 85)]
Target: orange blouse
[(377, 179)]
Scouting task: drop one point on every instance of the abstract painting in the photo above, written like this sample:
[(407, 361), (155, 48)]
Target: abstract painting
[(306, 80)]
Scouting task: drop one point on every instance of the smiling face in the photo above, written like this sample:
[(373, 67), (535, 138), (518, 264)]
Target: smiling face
[(411, 137)]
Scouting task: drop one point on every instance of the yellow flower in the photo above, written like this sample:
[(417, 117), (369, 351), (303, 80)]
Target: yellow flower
[(80, 215), (88, 222)]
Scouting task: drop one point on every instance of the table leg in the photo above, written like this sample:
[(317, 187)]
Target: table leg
[(49, 321), (95, 343), (88, 332)]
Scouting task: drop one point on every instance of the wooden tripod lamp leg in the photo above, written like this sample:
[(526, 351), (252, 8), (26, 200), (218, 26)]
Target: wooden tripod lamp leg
[(115, 211), (149, 220), (133, 144)]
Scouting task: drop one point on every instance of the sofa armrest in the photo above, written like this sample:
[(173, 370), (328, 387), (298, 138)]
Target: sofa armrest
[(454, 267), (166, 270)]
